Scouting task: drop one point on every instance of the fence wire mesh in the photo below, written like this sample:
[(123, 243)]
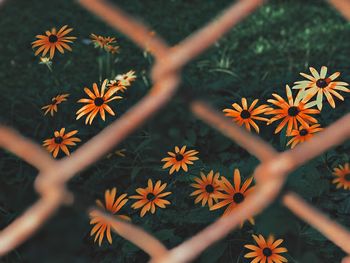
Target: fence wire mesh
[(270, 174)]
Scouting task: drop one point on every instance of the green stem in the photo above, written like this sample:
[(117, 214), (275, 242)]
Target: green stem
[(100, 67), (108, 65), (55, 78)]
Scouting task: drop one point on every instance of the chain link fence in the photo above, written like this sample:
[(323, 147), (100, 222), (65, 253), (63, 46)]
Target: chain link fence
[(270, 175)]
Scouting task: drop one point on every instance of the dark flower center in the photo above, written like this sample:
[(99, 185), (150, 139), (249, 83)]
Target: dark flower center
[(209, 188), (179, 157), (293, 111), (150, 197), (54, 101), (303, 132), (347, 177), (267, 252), (58, 140), (98, 101), (53, 38), (245, 114), (238, 198), (321, 83)]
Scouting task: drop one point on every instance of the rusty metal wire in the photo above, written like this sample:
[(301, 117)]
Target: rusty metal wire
[(270, 175)]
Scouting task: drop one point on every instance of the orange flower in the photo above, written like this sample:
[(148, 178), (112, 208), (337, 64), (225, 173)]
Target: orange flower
[(97, 103), (53, 40), (150, 197), (342, 172), (207, 188), (303, 134), (319, 84), (113, 49), (106, 43), (122, 82), (102, 42), (127, 78), (233, 195), (266, 251), (60, 141), (179, 159), (116, 86), (55, 101), (291, 112), (113, 205), (244, 115)]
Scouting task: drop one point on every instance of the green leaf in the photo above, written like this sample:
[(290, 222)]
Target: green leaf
[(213, 253)]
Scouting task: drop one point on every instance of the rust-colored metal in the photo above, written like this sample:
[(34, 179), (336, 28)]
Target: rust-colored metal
[(253, 144), (335, 232), (270, 175), (134, 234), (343, 7)]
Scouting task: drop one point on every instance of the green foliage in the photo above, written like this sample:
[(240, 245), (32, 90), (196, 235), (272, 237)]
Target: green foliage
[(255, 59)]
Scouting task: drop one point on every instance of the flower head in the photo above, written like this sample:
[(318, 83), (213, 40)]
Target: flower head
[(179, 159), (53, 40), (60, 141), (45, 60), (97, 103), (116, 86), (127, 78), (52, 107), (106, 43), (291, 112), (113, 206), (244, 115), (303, 134), (320, 84), (342, 174), (150, 197), (122, 82), (233, 195), (113, 49), (207, 187), (266, 251)]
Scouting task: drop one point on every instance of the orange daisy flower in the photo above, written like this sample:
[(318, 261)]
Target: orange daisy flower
[(233, 195), (342, 172), (97, 103), (121, 82), (291, 112), (55, 101), (102, 42), (207, 188), (179, 159), (106, 43), (127, 78), (150, 197), (116, 86), (320, 84), (113, 49), (303, 134), (60, 141), (112, 205), (244, 115), (53, 40), (267, 251)]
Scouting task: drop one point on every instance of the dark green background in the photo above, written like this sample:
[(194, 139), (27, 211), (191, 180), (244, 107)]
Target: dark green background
[(255, 59)]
